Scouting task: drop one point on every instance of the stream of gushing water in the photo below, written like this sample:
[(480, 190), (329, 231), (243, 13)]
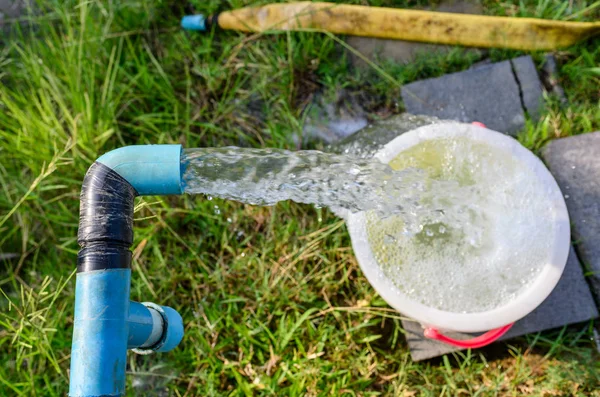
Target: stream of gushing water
[(461, 227), (268, 176)]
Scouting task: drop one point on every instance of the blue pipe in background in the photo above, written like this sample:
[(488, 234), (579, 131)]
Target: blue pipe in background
[(194, 22), (106, 322)]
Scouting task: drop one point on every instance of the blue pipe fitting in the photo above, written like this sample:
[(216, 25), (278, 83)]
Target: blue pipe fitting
[(106, 323), (194, 22), (150, 169), (142, 326), (167, 333)]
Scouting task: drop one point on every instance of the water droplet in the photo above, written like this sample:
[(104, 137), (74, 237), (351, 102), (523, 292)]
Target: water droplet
[(429, 232), (573, 167), (243, 254), (442, 229), (229, 220), (567, 196), (209, 198)]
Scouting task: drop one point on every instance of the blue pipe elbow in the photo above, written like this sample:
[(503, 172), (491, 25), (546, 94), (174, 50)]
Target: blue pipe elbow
[(150, 169)]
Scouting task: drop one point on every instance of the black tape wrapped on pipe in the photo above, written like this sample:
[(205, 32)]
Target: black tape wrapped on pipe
[(105, 220)]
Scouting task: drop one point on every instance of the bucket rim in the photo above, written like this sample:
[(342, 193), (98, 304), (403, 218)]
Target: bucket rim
[(513, 310)]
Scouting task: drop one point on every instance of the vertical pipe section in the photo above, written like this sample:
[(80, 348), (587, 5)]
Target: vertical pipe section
[(106, 322), (99, 351), (99, 348)]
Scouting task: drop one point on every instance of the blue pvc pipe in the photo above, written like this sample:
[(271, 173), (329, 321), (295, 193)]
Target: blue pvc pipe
[(106, 323), (150, 169), (194, 22), (174, 330), (140, 325), (99, 349)]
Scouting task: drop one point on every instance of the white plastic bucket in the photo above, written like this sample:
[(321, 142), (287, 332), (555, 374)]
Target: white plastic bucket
[(501, 316)]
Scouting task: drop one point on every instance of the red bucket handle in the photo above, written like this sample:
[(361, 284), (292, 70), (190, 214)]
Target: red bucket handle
[(474, 343)]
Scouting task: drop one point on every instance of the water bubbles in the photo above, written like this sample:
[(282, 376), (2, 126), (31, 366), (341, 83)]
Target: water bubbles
[(229, 220), (217, 211), (567, 196), (467, 247), (209, 198)]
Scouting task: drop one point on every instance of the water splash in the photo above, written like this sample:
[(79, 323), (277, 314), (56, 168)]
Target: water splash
[(454, 224), (492, 241), (268, 176)]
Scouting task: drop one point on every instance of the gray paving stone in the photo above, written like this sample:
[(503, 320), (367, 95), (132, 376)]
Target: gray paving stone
[(575, 163), (570, 302), (532, 93), (487, 93), (9, 11)]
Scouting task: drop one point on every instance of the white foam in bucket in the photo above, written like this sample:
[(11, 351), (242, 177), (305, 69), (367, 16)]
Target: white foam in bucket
[(520, 305)]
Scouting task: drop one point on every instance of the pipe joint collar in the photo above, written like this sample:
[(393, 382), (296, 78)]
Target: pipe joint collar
[(171, 330)]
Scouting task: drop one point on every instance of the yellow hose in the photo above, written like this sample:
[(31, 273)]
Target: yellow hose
[(411, 25)]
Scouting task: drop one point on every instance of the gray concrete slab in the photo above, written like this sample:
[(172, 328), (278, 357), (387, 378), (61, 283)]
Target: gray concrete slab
[(10, 11), (530, 86), (570, 302), (488, 94), (575, 163)]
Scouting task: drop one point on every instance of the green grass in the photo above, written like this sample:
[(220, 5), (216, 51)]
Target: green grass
[(273, 300)]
